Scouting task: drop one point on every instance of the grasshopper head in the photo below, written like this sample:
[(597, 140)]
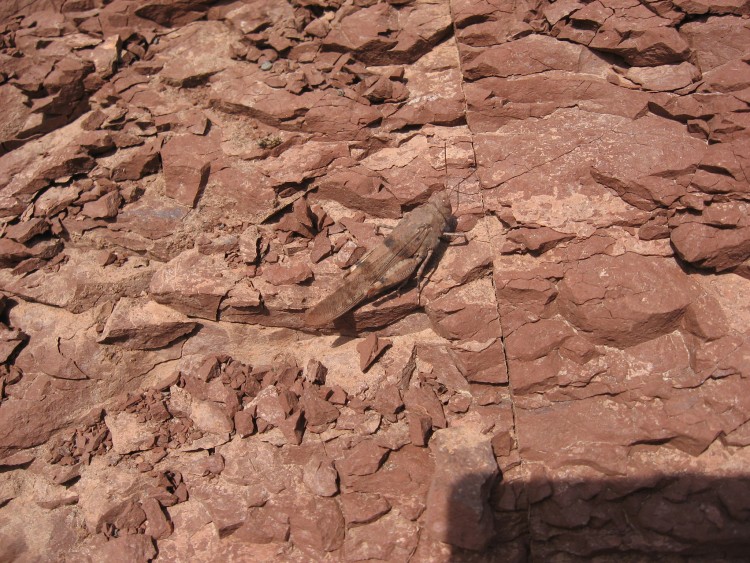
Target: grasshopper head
[(441, 202)]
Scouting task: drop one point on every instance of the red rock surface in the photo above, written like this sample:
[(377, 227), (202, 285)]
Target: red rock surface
[(180, 181)]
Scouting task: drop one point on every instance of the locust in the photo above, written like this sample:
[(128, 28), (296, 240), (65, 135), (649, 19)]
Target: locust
[(406, 249)]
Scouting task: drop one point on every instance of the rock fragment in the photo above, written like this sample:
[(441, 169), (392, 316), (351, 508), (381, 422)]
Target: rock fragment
[(158, 526), (458, 510), (282, 274), (317, 523), (129, 434), (105, 207), (261, 526), (706, 246), (26, 230), (363, 459), (370, 348), (612, 299), (186, 168), (320, 476), (318, 412), (136, 163), (141, 324), (137, 547), (363, 508), (389, 538), (193, 283)]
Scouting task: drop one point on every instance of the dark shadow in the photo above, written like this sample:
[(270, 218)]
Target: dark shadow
[(341, 340), (657, 516)]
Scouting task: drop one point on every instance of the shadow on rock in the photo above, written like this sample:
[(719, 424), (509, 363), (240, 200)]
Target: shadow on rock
[(672, 517)]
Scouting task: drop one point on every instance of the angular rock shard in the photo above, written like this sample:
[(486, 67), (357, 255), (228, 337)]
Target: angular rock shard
[(142, 324)]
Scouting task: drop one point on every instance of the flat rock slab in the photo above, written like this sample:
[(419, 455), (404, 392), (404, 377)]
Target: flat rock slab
[(631, 311), (458, 510), (142, 324), (193, 283), (128, 434)]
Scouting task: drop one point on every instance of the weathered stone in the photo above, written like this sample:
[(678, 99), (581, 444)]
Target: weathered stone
[(269, 406), (709, 247), (96, 142), (389, 538), (105, 207), (536, 340), (538, 240), (152, 217), (186, 163), (211, 417), (318, 412), (317, 523), (320, 476), (303, 162), (262, 526), (78, 283), (481, 362), (712, 6), (420, 426), (321, 247), (141, 324), (193, 283), (137, 163), (158, 526), (363, 459), (250, 461), (12, 252), (195, 52), (370, 348), (458, 510), (128, 434), (216, 497), (26, 230), (55, 199), (540, 95), (378, 34), (710, 53), (362, 508), (9, 341), (248, 245), (282, 274), (138, 548), (423, 400), (359, 188), (244, 423), (612, 299), (456, 318), (664, 78), (529, 55), (650, 47)]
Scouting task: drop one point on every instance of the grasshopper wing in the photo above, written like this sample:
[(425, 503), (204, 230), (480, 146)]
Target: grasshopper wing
[(359, 282)]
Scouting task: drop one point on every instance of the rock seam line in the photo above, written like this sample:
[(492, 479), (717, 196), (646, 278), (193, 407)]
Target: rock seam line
[(492, 278)]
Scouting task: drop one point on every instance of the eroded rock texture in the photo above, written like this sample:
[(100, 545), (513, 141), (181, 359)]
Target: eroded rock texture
[(180, 181)]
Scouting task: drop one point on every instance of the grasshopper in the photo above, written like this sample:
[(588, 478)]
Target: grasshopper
[(406, 249)]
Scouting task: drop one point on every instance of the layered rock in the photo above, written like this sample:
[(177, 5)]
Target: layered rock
[(181, 181)]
